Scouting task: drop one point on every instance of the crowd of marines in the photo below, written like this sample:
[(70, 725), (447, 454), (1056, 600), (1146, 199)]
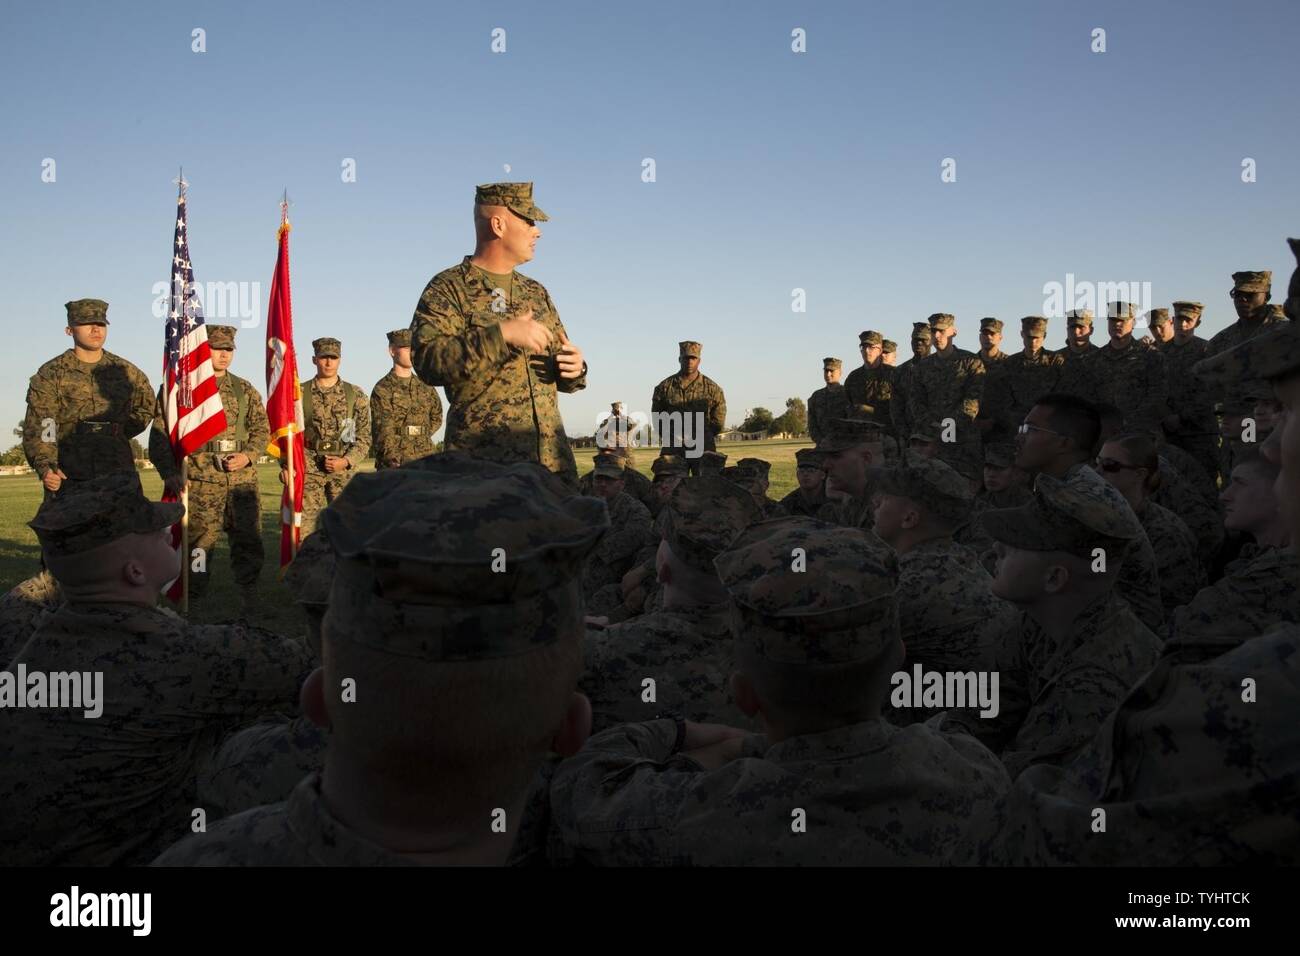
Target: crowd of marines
[(500, 663)]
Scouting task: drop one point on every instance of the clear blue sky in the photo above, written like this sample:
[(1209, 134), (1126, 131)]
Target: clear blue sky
[(775, 170)]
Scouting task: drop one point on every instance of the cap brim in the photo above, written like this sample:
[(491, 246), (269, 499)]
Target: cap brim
[(1269, 355), (162, 514), (1013, 526)]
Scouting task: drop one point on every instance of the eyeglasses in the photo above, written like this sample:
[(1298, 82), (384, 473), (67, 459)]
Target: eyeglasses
[(1239, 294), (1027, 427), (1111, 466)]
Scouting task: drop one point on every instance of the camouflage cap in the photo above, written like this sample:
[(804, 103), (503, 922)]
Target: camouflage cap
[(1079, 317), (888, 346), (832, 363), (456, 558), (756, 466), (999, 454), (942, 320), (620, 452), (87, 312), (326, 348), (704, 515), (517, 197), (846, 433), (1157, 317), (931, 482), (689, 348), (921, 330), (1252, 281), (809, 458), (712, 463), (609, 466), (399, 338), (1073, 515), (221, 336), (927, 431), (97, 511), (669, 466), (990, 325), (310, 574), (841, 609), (1121, 310), (870, 337), (1034, 325), (1191, 309), (1271, 354)]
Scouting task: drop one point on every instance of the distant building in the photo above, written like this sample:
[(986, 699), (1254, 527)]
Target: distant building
[(735, 434)]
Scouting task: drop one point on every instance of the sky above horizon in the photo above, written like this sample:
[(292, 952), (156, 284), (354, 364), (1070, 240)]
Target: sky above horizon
[(775, 171)]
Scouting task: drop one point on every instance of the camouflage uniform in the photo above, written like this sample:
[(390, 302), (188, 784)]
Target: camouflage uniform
[(946, 384), (870, 793), (687, 651), (1197, 431), (796, 503), (702, 395), (1238, 395), (22, 610), (1255, 597), (1179, 569), (503, 404), (635, 484), (948, 618), (97, 409), (219, 499), (404, 414), (1132, 378), (327, 425), (1204, 518), (869, 389), (1073, 361), (1055, 693), (900, 403), (1187, 772), (1020, 381), (630, 531), (427, 602), (116, 789)]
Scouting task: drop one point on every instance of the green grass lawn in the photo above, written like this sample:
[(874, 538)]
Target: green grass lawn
[(20, 496)]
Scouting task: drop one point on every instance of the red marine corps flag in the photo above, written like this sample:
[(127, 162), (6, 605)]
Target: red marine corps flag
[(284, 395), (191, 403)]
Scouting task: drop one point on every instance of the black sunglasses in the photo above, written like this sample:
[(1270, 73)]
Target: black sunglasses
[(1111, 466)]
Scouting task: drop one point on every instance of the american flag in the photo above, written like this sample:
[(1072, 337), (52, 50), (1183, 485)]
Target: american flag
[(191, 401), (192, 407)]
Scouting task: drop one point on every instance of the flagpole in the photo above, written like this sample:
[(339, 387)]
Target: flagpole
[(290, 488), (185, 535)]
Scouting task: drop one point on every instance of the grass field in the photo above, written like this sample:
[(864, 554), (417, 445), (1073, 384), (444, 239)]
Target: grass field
[(20, 496)]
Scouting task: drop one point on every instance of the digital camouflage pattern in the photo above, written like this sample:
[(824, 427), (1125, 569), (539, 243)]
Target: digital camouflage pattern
[(1010, 393), (260, 764), (700, 396), (687, 652), (948, 617), (117, 789), (404, 414), (1252, 598), (1177, 565), (96, 410), (23, 608), (503, 405), (1132, 378), (946, 385), (1054, 694), (98, 512), (219, 499), (1202, 516), (1236, 388), (869, 392), (1196, 430), (635, 484), (1187, 771), (797, 504), (825, 404), (873, 795), (630, 530), (454, 558), (329, 422)]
